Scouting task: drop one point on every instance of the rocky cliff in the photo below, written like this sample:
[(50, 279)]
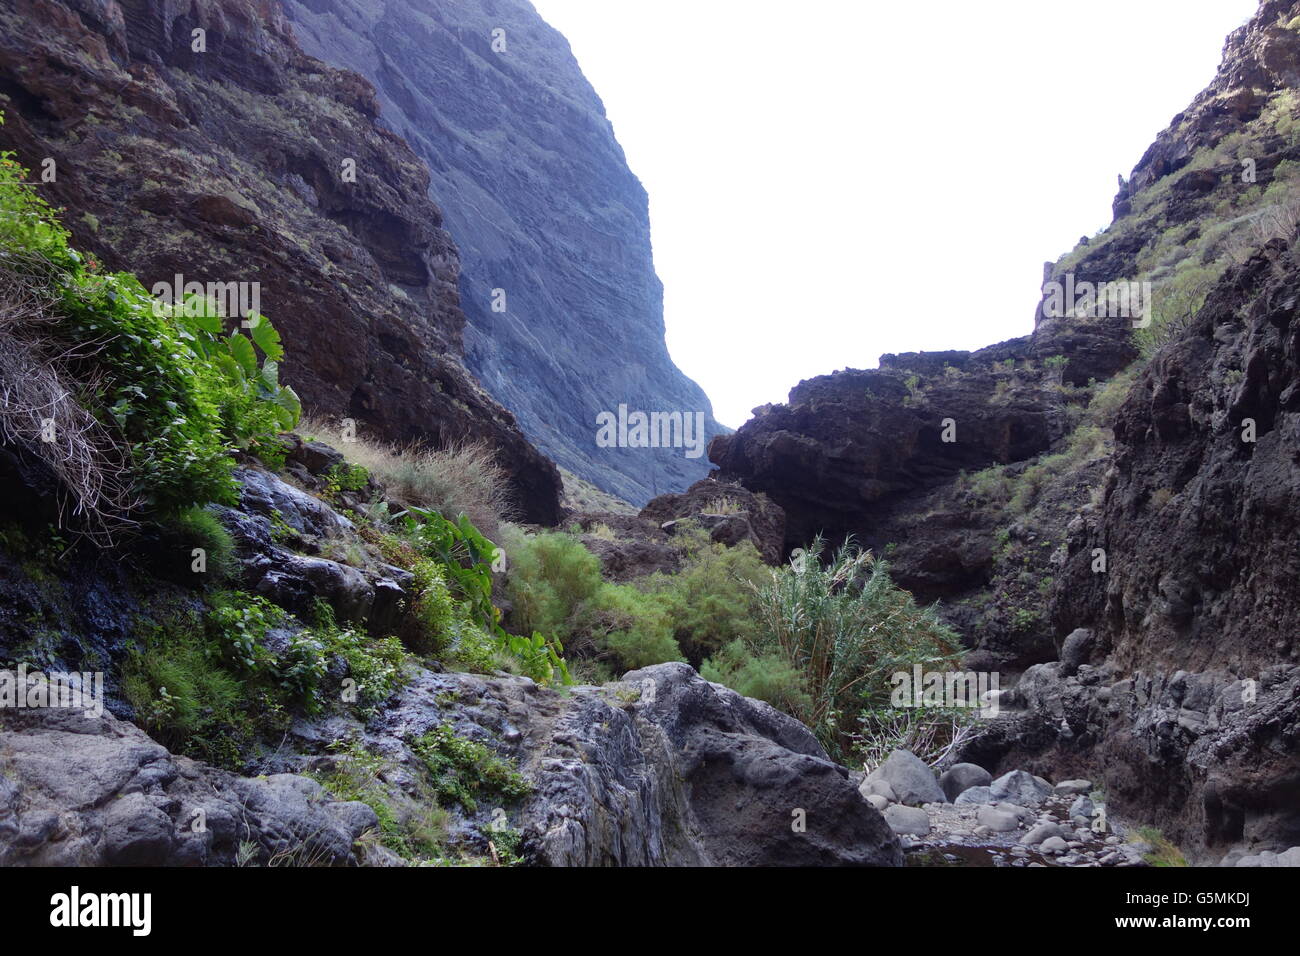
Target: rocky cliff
[(1114, 503), (540, 201), (200, 141)]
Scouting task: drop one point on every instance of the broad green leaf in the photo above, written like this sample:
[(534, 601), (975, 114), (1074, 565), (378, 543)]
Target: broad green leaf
[(266, 336), (241, 350)]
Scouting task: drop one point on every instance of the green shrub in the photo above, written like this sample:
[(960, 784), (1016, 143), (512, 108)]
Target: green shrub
[(240, 624), (846, 628), (1175, 302), (711, 601), (552, 577), (768, 676), (171, 392), (631, 625), (467, 771), (199, 528), (376, 664), (433, 614), (452, 615), (188, 696), (556, 587)]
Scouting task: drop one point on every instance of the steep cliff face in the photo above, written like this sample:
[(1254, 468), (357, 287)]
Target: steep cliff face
[(1132, 540), (540, 201), (229, 156)]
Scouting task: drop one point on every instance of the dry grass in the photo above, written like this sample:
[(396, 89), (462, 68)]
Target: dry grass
[(464, 479)]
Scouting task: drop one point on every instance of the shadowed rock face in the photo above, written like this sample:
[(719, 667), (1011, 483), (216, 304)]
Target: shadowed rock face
[(227, 165), (540, 201), (1183, 696), (850, 447)]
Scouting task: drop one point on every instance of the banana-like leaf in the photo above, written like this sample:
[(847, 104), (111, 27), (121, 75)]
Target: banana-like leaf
[(241, 350), (266, 336), (289, 405)]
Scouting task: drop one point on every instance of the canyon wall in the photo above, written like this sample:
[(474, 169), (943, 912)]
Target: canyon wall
[(541, 203)]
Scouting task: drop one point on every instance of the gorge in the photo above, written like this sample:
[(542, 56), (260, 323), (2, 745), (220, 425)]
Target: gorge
[(348, 608)]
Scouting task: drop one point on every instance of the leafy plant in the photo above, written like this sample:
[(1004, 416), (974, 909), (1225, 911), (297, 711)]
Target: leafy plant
[(845, 628), (466, 771)]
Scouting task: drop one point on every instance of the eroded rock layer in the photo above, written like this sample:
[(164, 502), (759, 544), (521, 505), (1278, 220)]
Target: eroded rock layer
[(230, 156)]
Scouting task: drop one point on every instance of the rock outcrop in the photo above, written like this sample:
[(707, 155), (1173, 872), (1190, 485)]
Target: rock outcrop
[(540, 201), (660, 768), (1149, 559), (230, 156), (82, 790)]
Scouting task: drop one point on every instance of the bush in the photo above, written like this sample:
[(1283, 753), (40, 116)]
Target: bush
[(187, 695), (845, 628), (556, 588), (148, 400), (452, 615), (200, 528), (466, 771), (769, 676), (631, 626), (1175, 302), (711, 601), (552, 579)]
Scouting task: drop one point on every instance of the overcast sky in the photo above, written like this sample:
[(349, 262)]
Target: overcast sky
[(834, 179)]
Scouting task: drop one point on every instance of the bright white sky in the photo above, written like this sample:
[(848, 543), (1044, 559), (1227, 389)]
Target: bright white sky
[(834, 179)]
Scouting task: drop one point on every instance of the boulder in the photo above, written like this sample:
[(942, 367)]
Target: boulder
[(878, 787), (1020, 788), (1042, 832), (961, 777), (1054, 844), (975, 795), (910, 820), (1082, 807), (96, 791), (911, 779), (1071, 787), (1076, 650), (997, 820)]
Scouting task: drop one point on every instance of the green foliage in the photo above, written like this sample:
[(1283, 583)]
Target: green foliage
[(376, 664), (711, 601), (199, 528), (632, 626), (176, 391), (768, 675), (345, 477), (466, 771), (1163, 851), (845, 629), (555, 586), (186, 693), (1175, 303), (452, 615), (552, 578), (240, 624), (357, 774), (1085, 442)]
